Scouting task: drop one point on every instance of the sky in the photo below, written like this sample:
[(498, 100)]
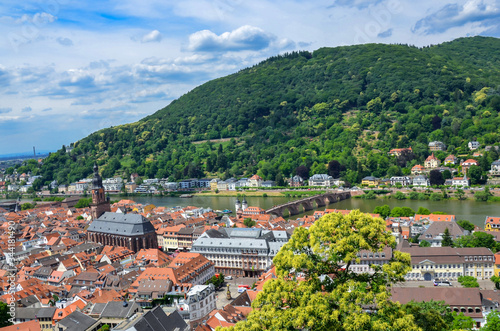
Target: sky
[(69, 68)]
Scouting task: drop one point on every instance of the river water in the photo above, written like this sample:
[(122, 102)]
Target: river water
[(474, 211)]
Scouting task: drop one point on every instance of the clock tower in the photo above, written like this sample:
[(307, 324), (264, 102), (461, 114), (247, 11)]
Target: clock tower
[(99, 204)]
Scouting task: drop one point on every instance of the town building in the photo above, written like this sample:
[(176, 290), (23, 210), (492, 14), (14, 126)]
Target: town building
[(429, 263), (468, 301), (369, 258), (403, 180), (467, 164), (417, 169), (473, 145), (255, 181), (495, 168), (492, 223), (460, 181), (434, 233), (450, 160), (399, 151), (240, 252), (133, 231), (198, 303), (296, 181), (432, 162), (370, 181), (421, 180), (437, 146), (323, 180), (99, 204)]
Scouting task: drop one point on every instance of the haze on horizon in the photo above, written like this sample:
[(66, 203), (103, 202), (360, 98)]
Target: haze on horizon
[(69, 68)]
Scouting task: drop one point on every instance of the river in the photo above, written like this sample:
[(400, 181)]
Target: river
[(474, 211)]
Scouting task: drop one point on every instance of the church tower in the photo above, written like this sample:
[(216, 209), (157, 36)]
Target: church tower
[(100, 204)]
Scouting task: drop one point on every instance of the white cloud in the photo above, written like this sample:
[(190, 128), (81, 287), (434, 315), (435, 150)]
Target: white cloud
[(153, 36), (37, 19), (243, 38), (485, 13)]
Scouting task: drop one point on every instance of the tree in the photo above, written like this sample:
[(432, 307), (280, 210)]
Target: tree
[(334, 168), (462, 322), (496, 281), (468, 281), (249, 222), (4, 315), (423, 211), (302, 171), (424, 243), (492, 322), (434, 315), (217, 280), (475, 173), (402, 212), (447, 174), (460, 194), (483, 195), (400, 195), (447, 240), (83, 203), (466, 225), (337, 301), (384, 211), (477, 239), (436, 178)]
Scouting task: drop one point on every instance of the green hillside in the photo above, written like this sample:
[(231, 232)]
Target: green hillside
[(350, 104)]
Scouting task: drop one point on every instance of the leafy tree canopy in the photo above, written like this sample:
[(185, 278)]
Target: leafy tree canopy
[(328, 295)]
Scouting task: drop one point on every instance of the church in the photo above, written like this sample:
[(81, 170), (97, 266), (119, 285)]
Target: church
[(133, 231)]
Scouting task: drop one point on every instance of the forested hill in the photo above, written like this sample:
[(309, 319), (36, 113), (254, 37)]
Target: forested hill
[(351, 104)]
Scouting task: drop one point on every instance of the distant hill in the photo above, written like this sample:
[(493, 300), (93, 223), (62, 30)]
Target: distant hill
[(350, 104)]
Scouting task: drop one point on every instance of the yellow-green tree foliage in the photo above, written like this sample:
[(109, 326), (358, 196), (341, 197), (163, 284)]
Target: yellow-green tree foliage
[(315, 290)]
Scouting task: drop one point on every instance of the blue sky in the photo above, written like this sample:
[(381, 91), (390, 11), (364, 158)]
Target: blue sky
[(69, 68)]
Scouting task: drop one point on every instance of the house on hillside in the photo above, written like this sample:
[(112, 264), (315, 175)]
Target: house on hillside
[(255, 181), (460, 181), (417, 169), (432, 162), (370, 181), (398, 151), (421, 180), (495, 168), (403, 180), (473, 145), (467, 164), (296, 181), (321, 180), (437, 146), (450, 160)]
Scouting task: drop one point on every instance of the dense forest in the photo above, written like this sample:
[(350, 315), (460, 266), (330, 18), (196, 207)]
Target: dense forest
[(337, 110)]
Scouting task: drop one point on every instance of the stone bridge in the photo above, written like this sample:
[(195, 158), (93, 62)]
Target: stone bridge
[(309, 203)]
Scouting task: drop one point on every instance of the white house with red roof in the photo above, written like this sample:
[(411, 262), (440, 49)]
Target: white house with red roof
[(417, 169), (432, 162), (255, 181), (467, 164)]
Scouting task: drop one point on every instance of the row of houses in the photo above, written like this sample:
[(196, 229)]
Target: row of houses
[(420, 181)]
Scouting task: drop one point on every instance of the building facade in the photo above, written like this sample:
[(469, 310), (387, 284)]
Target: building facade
[(133, 231), (429, 263), (240, 252)]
